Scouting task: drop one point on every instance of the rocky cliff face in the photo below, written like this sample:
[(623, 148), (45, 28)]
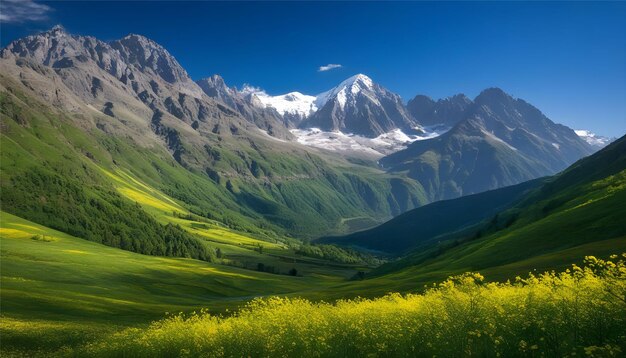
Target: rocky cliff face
[(267, 119), (444, 112)]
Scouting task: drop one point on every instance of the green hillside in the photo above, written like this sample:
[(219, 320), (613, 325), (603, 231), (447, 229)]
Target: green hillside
[(578, 212), (58, 289), (272, 189), (420, 226)]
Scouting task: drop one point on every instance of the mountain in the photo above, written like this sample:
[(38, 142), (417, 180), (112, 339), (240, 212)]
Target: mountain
[(294, 107), (360, 106), (576, 213), (357, 118), (501, 141), (126, 78), (594, 140), (441, 113), (426, 223), (266, 119), (76, 108)]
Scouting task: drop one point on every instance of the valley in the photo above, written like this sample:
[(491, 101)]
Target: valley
[(142, 210)]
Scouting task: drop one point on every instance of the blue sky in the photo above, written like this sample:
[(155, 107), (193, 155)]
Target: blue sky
[(568, 59)]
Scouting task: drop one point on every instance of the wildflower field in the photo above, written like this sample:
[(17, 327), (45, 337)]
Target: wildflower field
[(579, 312)]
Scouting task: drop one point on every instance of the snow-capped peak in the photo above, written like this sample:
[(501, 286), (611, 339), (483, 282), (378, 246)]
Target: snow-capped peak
[(296, 103), (292, 103), (348, 88), (593, 139), (357, 82)]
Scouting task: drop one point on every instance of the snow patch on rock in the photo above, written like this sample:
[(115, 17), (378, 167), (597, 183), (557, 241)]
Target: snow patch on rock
[(380, 146)]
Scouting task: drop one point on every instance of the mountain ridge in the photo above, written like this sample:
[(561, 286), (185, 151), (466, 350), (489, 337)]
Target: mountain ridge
[(500, 141)]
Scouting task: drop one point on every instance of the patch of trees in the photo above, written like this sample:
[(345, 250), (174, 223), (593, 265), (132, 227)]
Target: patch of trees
[(336, 254), (261, 267), (95, 213)]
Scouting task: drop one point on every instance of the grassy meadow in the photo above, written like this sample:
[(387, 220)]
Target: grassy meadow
[(70, 297), (66, 296), (579, 312), (57, 289)]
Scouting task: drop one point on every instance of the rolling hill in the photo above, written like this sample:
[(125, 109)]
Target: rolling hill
[(423, 225)]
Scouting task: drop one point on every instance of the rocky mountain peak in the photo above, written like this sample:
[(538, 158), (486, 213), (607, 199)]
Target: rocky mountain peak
[(360, 106), (493, 94), (45, 47), (144, 53), (358, 81), (215, 87), (56, 30), (444, 112)]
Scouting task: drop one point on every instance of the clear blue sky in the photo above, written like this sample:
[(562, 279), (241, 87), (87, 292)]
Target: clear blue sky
[(568, 59)]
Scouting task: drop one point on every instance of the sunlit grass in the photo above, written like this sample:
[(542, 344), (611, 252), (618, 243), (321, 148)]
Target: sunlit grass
[(581, 311), (143, 194)]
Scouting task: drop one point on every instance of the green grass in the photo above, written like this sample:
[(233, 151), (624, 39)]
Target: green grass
[(588, 221), (63, 285), (75, 277), (574, 313)]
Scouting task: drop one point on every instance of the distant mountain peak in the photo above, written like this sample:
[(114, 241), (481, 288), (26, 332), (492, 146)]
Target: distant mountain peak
[(145, 53), (459, 97), (348, 88), (294, 96), (359, 106), (493, 94), (57, 29), (143, 42), (444, 112), (358, 79), (596, 141)]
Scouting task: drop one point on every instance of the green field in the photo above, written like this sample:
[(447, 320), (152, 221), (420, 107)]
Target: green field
[(57, 284), (66, 295), (578, 312)]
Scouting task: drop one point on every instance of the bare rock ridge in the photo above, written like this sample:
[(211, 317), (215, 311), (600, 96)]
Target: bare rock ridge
[(444, 112), (267, 119)]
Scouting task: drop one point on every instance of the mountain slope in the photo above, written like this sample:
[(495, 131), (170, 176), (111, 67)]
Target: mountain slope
[(502, 141), (578, 212), (129, 105), (444, 112), (266, 119), (360, 106), (424, 224)]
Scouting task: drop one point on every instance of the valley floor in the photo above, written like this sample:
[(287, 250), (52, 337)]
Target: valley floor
[(60, 292), (58, 289)]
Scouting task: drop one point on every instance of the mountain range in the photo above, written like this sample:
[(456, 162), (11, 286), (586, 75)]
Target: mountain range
[(500, 141), (131, 107), (251, 157), (543, 224)]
